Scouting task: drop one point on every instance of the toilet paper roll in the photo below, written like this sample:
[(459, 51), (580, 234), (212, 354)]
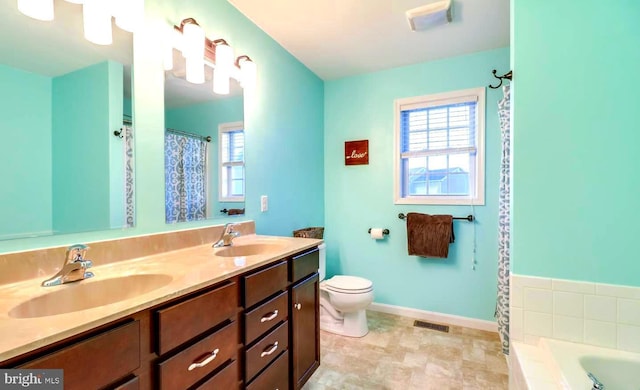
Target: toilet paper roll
[(376, 233)]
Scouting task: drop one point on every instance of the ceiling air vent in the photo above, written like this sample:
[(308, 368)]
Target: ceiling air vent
[(429, 15)]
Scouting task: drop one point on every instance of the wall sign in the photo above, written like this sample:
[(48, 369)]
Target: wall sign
[(356, 152)]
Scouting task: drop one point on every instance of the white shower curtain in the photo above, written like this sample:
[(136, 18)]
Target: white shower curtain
[(504, 221)]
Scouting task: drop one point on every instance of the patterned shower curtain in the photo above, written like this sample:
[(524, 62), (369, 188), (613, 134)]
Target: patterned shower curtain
[(185, 161), (129, 200), (504, 221)]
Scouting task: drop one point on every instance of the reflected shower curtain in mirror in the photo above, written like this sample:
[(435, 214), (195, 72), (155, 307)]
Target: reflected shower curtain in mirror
[(185, 178), (129, 200), (504, 221)]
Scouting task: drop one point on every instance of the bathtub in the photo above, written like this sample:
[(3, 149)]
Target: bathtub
[(569, 364)]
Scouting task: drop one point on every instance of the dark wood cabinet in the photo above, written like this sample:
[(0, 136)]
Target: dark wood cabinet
[(257, 330), (97, 361), (305, 330), (304, 291)]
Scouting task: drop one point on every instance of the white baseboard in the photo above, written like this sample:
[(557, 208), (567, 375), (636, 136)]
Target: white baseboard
[(490, 326)]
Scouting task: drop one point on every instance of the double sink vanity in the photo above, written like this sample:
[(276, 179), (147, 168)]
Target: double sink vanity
[(179, 315)]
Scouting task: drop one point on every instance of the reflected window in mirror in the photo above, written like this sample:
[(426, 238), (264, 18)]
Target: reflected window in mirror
[(231, 188)]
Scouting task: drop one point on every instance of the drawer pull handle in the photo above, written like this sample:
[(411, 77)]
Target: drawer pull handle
[(298, 306), (205, 361), (273, 315), (270, 351)]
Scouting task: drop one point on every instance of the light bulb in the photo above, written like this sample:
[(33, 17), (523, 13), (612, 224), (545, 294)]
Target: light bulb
[(195, 70), (224, 57), (96, 15), (193, 41), (220, 81), (248, 71), (37, 9), (129, 14)]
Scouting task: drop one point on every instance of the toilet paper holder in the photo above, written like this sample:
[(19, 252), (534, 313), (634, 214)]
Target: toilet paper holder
[(385, 231)]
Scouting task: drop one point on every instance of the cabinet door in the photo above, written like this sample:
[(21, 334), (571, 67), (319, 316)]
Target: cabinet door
[(305, 324)]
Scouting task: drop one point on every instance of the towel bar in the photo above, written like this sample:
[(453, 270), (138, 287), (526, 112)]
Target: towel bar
[(469, 217)]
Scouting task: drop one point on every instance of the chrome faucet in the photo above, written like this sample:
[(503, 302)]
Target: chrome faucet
[(228, 234), (74, 267), (597, 385)]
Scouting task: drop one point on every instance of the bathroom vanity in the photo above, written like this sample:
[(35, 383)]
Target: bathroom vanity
[(222, 322)]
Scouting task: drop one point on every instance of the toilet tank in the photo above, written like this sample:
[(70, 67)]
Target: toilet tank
[(322, 269)]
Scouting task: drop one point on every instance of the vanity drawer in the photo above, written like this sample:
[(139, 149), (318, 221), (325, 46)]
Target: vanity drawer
[(274, 377), (265, 317), (266, 350), (131, 384), (183, 321), (98, 361), (262, 284), (304, 264), (180, 371), (226, 379)]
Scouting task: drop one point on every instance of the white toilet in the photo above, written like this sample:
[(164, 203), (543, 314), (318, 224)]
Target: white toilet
[(343, 300)]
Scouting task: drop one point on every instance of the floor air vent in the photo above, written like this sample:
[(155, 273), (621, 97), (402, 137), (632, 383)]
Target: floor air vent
[(429, 325)]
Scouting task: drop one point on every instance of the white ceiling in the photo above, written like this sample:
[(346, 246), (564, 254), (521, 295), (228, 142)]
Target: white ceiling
[(339, 38)]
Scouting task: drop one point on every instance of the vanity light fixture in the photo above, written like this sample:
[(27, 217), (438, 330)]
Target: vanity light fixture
[(199, 51), (129, 15), (193, 44), (37, 9), (248, 71), (195, 70), (96, 19), (222, 55)]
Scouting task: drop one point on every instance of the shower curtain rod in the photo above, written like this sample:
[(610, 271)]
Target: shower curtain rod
[(192, 135)]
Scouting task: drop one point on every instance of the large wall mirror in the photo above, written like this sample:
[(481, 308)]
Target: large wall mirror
[(204, 148), (63, 168)]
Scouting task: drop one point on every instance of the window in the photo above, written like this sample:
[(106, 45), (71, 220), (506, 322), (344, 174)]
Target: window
[(439, 148), (231, 140)]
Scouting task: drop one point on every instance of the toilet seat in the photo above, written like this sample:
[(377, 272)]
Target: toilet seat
[(348, 284)]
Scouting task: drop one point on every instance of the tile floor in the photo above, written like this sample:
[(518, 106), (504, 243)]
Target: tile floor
[(397, 355)]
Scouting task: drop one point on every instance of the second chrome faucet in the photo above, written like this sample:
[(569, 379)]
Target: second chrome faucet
[(74, 268), (227, 236)]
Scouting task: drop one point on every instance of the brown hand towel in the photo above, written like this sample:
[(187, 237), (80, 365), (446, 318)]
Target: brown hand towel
[(429, 235), (235, 211)]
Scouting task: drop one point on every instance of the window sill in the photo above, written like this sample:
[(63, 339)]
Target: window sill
[(450, 200)]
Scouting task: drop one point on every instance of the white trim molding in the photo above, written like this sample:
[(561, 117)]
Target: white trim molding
[(450, 319)]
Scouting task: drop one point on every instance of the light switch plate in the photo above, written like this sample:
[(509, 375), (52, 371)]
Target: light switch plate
[(264, 203)]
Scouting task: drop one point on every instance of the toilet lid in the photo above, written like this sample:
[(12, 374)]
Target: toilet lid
[(348, 283)]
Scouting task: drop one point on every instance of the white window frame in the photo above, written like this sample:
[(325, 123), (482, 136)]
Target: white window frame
[(226, 128), (476, 188)]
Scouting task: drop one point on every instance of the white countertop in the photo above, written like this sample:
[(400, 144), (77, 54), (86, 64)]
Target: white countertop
[(191, 269)]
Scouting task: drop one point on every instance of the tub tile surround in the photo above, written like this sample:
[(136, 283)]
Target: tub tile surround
[(599, 314), (186, 256), (43, 263)]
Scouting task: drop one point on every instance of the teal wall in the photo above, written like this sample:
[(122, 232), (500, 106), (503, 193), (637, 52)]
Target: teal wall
[(360, 197), (204, 119), (81, 124), (25, 153), (284, 124), (575, 140)]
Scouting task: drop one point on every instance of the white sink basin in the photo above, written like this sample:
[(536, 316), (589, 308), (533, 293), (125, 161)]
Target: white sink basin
[(253, 249), (87, 294)]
